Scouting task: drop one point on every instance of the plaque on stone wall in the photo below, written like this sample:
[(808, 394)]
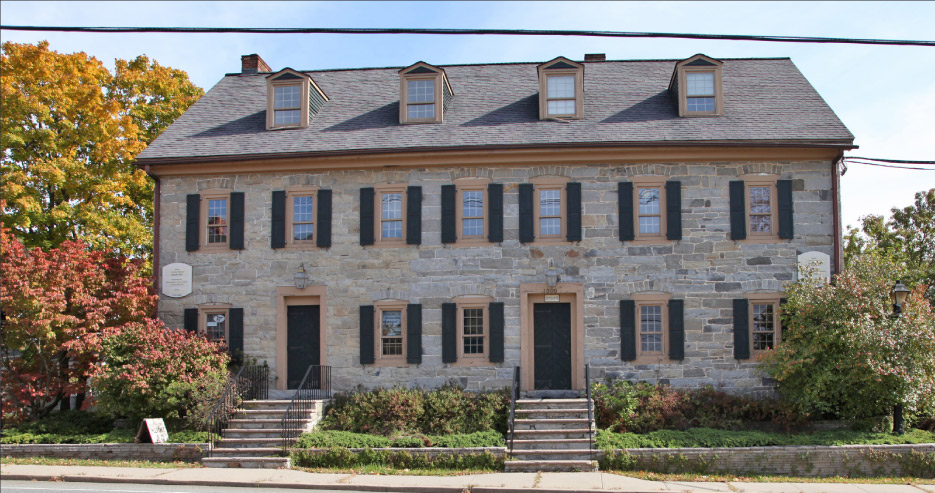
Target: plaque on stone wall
[(177, 280), (819, 265)]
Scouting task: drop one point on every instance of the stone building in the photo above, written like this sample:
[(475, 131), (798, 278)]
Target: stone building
[(639, 216)]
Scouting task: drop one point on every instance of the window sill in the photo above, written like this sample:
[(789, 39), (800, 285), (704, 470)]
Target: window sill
[(472, 362), (383, 363), (761, 240), (660, 240), (213, 248), (549, 241), (302, 246), (471, 242)]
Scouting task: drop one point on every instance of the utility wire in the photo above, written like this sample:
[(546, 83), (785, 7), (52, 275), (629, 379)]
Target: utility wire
[(506, 32), (899, 161), (880, 162)]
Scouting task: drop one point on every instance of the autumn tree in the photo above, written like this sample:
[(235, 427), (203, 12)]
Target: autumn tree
[(70, 130), (58, 306)]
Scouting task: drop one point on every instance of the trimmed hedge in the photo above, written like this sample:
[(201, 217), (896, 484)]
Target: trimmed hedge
[(343, 458), (346, 439), (711, 438)]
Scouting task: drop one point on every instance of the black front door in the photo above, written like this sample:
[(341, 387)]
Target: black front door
[(552, 342), (303, 347)]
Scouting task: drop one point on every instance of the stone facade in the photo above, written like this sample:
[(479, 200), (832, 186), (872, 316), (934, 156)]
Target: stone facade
[(705, 268)]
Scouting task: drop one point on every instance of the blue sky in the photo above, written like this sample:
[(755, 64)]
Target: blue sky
[(885, 95)]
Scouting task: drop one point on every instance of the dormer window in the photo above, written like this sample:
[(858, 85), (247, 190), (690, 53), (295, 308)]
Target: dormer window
[(561, 89), (696, 83), (424, 94), (292, 99)]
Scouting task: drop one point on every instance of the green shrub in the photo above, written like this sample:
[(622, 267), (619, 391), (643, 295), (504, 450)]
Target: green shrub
[(390, 412), (342, 458), (346, 439), (710, 438), (86, 427)]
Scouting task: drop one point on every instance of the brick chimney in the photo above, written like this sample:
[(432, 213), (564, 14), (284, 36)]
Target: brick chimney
[(595, 57), (251, 64)]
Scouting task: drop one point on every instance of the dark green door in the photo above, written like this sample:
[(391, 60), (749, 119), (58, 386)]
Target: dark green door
[(552, 342), (303, 347)]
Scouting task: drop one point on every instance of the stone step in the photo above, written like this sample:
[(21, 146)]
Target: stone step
[(552, 394), (550, 466), (551, 413), (259, 424), (551, 434), (246, 451), (249, 442), (552, 404), (560, 454), (259, 413), (551, 444), (267, 404), (247, 462), (551, 424), (253, 433)]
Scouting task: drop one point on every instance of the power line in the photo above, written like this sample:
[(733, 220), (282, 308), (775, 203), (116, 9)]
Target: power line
[(899, 161), (881, 163), (502, 32)]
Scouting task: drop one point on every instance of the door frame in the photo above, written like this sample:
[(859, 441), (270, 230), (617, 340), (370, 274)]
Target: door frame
[(288, 296), (572, 293)]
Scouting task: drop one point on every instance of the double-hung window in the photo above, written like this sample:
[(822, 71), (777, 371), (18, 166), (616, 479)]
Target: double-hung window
[(287, 105), (420, 103), (561, 91), (215, 212), (424, 93), (549, 224), (391, 216), (697, 83), (699, 92)]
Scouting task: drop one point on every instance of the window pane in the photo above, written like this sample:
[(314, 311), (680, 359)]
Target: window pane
[(215, 326), (473, 227), (759, 200), (392, 325), (421, 91), (392, 206), (561, 86), (700, 104), (651, 328), (287, 117), (759, 224), (700, 84), (649, 201), (287, 97), (763, 318), (649, 224), (302, 232), (393, 346), (392, 229), (550, 202), (473, 331), (762, 341), (302, 209), (417, 111), (473, 204), (564, 107), (217, 221), (551, 226), (650, 342)]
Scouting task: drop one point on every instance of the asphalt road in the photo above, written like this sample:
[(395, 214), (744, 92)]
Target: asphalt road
[(60, 486)]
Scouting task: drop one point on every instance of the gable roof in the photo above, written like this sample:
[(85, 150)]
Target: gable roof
[(766, 101)]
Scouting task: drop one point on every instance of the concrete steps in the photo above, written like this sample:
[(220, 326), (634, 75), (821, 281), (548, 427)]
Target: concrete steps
[(551, 434), (254, 439)]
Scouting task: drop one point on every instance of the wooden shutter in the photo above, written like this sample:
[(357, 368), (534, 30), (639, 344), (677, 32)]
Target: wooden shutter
[(673, 210), (414, 215), (278, 223), (676, 329), (366, 335), (191, 320), (741, 329), (192, 220), (449, 332), (366, 217), (627, 330), (573, 211), (526, 234), (449, 216), (738, 211), (784, 208), (235, 334), (782, 327), (323, 233), (495, 212), (237, 217), (414, 334), (495, 314), (625, 210)]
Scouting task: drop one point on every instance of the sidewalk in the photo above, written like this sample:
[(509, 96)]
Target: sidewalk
[(478, 483)]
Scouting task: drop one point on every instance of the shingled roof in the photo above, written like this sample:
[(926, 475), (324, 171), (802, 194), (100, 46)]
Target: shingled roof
[(766, 101)]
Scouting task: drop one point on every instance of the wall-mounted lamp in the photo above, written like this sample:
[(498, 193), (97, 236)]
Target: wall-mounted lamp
[(552, 276), (301, 278), (898, 296)]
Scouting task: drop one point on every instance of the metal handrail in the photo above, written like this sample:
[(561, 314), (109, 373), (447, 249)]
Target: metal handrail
[(514, 396), (297, 413), (587, 382), (250, 382)]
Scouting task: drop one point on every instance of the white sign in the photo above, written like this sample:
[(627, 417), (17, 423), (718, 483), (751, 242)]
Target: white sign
[(152, 430), (819, 265), (177, 280)]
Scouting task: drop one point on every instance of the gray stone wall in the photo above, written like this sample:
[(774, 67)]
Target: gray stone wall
[(156, 452), (705, 268)]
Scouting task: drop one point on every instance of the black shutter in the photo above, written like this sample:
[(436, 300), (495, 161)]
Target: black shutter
[(741, 329), (625, 210), (235, 334), (496, 331), (449, 219), (573, 211), (414, 215), (192, 220), (674, 210), (782, 326), (627, 330), (191, 319), (414, 334), (526, 234), (676, 329), (366, 217), (495, 212), (449, 332), (366, 334), (324, 219), (237, 213), (278, 223), (738, 211), (784, 202)]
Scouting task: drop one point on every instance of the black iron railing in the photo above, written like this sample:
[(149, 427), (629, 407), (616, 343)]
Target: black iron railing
[(587, 387), (249, 383), (514, 396), (315, 385)]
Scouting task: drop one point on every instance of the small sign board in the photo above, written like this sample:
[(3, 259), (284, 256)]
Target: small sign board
[(819, 265), (152, 430), (177, 280), (551, 298)]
